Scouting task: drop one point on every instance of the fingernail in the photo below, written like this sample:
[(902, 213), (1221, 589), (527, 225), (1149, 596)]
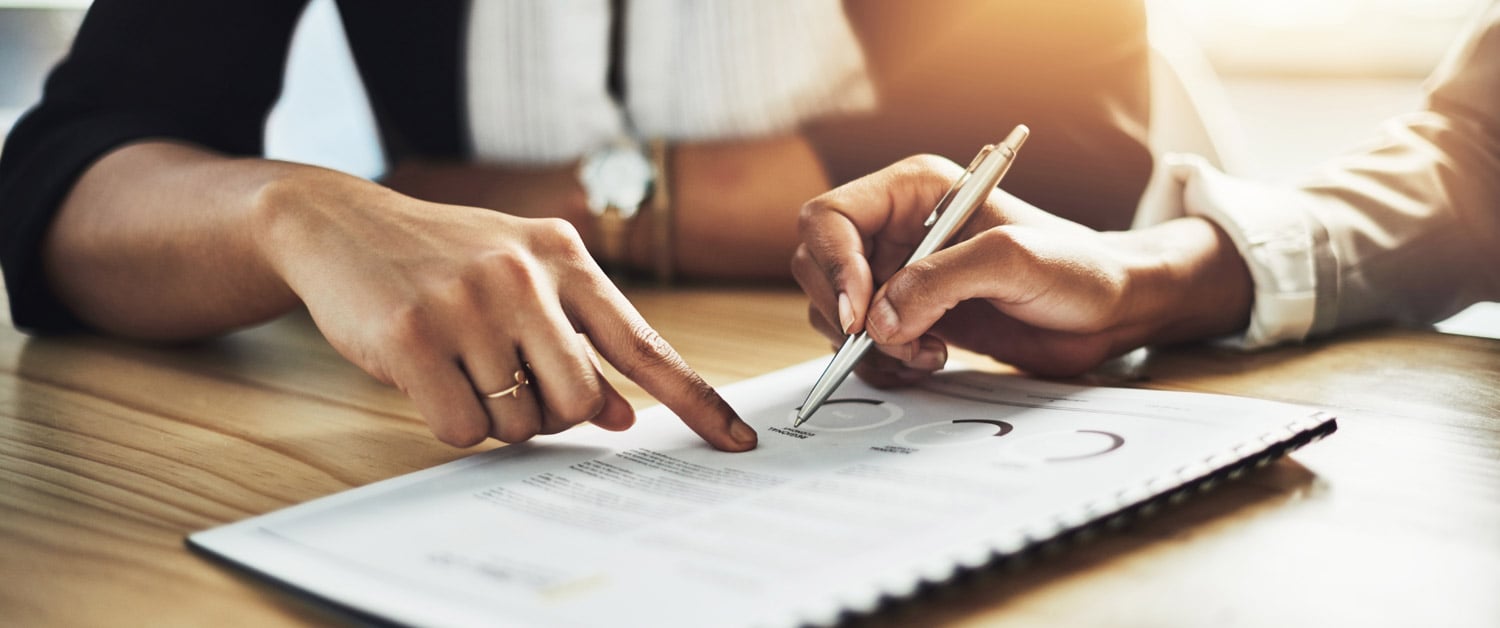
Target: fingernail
[(846, 313), (742, 433), (883, 320)]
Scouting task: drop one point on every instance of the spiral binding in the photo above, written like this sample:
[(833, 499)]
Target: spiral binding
[(1130, 505)]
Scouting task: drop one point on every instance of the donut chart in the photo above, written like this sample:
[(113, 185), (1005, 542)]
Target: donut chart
[(852, 415), (1068, 446), (956, 432), (1004, 428)]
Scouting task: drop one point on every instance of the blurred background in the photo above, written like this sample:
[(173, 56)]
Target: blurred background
[(1309, 78), (1304, 78), (1279, 85)]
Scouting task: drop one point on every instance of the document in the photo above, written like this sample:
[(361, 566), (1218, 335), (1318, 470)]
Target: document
[(878, 493)]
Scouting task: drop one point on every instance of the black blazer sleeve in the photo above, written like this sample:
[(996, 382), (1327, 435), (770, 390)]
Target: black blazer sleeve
[(200, 72), (953, 75)]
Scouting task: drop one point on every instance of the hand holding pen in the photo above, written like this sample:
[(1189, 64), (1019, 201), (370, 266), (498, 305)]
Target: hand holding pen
[(1039, 292), (949, 214)]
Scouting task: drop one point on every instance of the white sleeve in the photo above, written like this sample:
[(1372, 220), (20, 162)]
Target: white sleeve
[(1281, 243), (1403, 230)]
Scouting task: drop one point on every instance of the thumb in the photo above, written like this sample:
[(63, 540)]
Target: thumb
[(991, 265)]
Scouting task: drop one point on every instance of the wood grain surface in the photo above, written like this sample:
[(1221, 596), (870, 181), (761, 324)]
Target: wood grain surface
[(112, 452)]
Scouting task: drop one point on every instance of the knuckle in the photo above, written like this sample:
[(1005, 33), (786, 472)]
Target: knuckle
[(648, 350), (409, 327), (805, 269), (999, 238), (459, 292), (921, 289), (557, 235), (1008, 247), (807, 216), (704, 396), (806, 266), (929, 168), (445, 303), (801, 258), (913, 283), (514, 268)]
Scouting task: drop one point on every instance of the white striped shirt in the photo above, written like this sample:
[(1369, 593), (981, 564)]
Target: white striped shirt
[(693, 70)]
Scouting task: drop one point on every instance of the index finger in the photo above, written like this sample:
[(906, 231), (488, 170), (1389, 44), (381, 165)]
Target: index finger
[(886, 209), (624, 338)]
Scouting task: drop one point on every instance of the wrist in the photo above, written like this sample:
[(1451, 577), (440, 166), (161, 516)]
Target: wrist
[(296, 208), (1186, 281), (734, 205), (626, 192), (617, 180)]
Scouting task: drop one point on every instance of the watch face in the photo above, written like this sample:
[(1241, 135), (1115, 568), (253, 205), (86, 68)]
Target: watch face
[(619, 177)]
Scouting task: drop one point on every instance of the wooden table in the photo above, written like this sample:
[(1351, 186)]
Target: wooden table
[(110, 453)]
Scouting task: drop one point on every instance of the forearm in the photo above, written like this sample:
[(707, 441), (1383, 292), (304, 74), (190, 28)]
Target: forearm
[(736, 206), (735, 203), (165, 241)]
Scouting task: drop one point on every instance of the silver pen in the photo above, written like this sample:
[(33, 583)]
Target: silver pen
[(952, 211)]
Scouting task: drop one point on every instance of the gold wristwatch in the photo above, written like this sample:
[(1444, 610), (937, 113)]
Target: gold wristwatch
[(617, 179)]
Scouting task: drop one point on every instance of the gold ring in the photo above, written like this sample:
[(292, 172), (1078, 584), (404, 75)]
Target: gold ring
[(513, 391)]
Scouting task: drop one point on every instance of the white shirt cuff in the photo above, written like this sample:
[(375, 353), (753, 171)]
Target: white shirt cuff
[(1278, 242)]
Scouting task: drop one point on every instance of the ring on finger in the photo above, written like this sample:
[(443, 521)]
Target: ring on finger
[(514, 391)]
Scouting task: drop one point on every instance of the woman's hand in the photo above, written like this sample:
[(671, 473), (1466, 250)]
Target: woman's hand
[(1018, 284), (450, 303), (168, 241)]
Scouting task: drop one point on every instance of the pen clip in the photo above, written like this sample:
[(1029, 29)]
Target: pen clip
[(962, 179)]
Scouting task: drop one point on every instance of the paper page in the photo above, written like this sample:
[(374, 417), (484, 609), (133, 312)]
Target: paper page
[(878, 492), (1481, 320)]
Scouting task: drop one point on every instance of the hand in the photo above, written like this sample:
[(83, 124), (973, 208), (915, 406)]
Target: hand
[(449, 302), (1044, 294)]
